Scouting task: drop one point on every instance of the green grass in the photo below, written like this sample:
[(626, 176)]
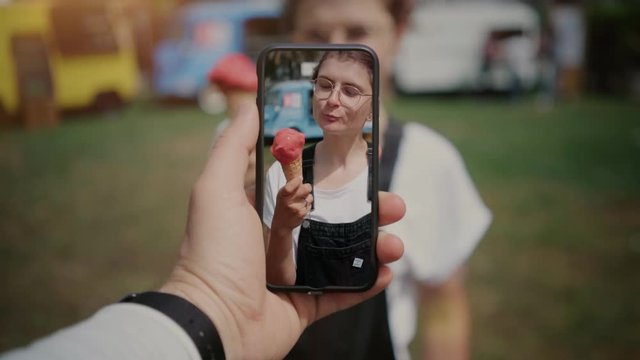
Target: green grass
[(92, 210), (95, 208), (556, 276)]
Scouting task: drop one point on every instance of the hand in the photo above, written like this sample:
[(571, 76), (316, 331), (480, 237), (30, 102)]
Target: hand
[(221, 268), (292, 205)]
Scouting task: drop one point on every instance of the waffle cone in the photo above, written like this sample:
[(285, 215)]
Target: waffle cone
[(293, 169)]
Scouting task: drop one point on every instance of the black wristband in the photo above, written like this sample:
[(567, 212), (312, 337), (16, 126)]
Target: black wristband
[(196, 323)]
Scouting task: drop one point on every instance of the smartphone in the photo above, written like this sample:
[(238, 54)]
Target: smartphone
[(317, 166)]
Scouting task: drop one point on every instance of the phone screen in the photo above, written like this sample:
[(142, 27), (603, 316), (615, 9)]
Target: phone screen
[(317, 166)]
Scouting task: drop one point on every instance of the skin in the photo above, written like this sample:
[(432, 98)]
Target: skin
[(445, 307), (446, 319), (235, 98), (340, 158), (222, 270), (352, 21)]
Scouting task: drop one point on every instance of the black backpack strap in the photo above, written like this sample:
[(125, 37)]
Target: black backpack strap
[(308, 159), (370, 171), (392, 138)]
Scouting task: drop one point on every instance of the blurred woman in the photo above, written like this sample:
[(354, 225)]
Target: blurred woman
[(445, 219)]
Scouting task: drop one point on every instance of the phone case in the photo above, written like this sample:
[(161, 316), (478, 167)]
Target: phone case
[(317, 252)]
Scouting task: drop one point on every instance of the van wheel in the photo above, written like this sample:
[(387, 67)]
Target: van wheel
[(108, 102)]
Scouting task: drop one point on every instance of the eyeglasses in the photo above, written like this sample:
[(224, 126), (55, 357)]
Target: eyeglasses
[(349, 95)]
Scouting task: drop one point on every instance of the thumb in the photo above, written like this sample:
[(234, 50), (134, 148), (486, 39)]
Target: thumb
[(229, 158)]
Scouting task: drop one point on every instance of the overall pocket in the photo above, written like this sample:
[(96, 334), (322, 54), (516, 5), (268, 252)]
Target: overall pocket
[(338, 266)]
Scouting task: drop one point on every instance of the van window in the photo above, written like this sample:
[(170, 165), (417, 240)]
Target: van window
[(209, 34), (291, 100)]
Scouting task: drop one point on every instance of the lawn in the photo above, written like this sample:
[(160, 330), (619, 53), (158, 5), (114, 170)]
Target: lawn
[(95, 208)]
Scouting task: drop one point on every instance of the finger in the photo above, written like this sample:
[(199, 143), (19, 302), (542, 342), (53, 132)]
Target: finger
[(230, 153), (309, 199), (389, 248), (302, 207), (391, 208), (291, 187), (303, 191), (302, 212)]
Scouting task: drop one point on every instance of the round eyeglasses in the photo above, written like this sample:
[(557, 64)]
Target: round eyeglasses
[(348, 95)]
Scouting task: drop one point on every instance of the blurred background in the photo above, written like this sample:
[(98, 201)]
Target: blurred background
[(106, 117)]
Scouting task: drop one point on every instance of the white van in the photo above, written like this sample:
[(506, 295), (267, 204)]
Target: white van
[(468, 46)]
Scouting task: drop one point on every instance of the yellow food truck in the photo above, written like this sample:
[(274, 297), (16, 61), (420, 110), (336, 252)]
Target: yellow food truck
[(64, 55)]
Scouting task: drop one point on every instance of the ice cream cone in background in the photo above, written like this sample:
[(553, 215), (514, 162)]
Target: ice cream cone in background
[(287, 149), (235, 75)]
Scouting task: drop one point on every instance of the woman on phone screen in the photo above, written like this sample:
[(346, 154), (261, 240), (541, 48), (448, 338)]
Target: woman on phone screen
[(320, 225)]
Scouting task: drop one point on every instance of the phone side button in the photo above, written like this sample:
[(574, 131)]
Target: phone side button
[(315, 292)]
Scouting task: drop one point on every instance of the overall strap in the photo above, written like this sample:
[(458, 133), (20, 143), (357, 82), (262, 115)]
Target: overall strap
[(370, 171), (392, 138), (308, 159)]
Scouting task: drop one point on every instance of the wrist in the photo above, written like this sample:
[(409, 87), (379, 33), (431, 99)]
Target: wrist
[(205, 299), (281, 228)]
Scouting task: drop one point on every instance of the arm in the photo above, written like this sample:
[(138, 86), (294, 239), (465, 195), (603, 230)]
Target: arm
[(291, 207), (281, 268), (118, 331), (446, 320)]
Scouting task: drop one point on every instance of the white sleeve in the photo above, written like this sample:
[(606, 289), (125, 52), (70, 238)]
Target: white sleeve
[(273, 182), (445, 218), (119, 331)]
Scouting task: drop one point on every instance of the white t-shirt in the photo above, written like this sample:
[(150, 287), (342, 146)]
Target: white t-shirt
[(445, 220), (336, 206)]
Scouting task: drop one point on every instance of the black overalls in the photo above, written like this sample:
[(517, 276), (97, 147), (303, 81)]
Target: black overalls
[(360, 332), (334, 254)]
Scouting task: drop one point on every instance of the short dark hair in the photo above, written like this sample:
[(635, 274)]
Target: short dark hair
[(400, 10), (361, 57)]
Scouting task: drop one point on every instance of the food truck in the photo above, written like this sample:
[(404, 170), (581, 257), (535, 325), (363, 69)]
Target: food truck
[(64, 56), (201, 34)]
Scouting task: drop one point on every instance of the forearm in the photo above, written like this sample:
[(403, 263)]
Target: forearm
[(280, 263), (446, 321), (120, 331), (446, 331)]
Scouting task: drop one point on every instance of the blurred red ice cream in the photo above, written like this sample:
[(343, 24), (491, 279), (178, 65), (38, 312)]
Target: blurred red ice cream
[(234, 71)]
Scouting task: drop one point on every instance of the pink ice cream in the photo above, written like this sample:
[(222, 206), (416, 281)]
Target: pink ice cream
[(287, 149), (287, 145)]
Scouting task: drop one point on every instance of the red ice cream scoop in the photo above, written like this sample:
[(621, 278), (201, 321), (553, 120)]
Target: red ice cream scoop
[(287, 146), (235, 71)]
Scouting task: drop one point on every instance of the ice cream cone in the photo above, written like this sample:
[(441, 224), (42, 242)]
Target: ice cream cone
[(293, 169), (287, 149)]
